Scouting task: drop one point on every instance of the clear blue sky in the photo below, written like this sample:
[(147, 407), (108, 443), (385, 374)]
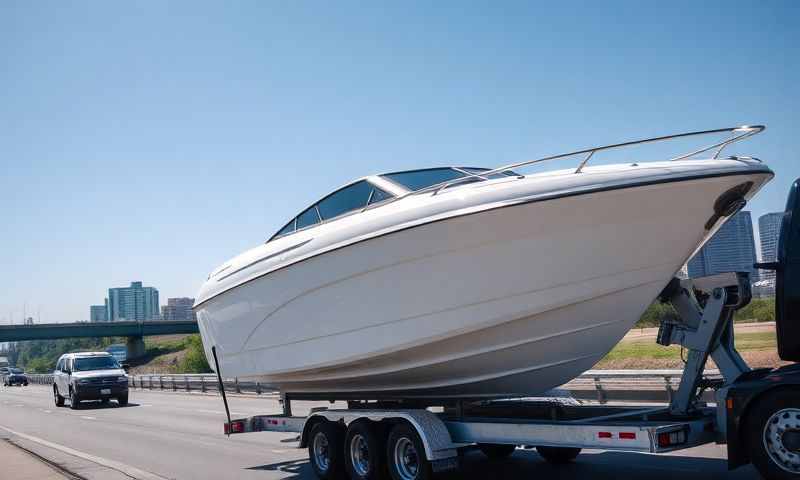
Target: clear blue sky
[(153, 140)]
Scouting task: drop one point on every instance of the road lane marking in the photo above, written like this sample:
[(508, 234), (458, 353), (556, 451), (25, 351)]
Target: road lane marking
[(112, 464), (89, 418)]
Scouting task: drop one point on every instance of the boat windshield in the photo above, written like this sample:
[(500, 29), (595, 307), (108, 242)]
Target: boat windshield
[(418, 179), (352, 198)]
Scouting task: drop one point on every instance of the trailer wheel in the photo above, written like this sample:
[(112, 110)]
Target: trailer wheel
[(558, 455), (364, 451), (496, 451), (326, 451), (406, 455), (773, 435)]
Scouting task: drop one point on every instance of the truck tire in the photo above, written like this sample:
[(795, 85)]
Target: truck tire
[(405, 455), (122, 400), (73, 399), (326, 450), (59, 400), (558, 455), (364, 451), (496, 451), (773, 434)]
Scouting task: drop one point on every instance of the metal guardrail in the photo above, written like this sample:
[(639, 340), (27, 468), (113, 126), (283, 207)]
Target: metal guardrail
[(595, 385)]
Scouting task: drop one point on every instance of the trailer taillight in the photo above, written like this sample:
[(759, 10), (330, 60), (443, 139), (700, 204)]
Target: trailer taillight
[(234, 427), (670, 439)]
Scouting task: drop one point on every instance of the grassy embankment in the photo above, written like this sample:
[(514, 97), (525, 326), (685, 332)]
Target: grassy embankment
[(758, 349)]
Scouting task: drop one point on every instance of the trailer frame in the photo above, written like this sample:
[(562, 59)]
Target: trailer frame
[(705, 328)]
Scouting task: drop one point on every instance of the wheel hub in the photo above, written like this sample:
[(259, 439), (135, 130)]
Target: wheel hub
[(782, 439), (406, 460), (359, 454), (321, 452)]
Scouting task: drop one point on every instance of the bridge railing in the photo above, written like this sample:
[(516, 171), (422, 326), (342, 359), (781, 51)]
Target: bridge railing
[(594, 385)]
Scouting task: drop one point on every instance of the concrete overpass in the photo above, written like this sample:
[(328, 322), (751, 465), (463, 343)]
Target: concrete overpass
[(134, 331)]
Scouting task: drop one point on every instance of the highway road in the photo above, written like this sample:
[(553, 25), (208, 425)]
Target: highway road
[(173, 435)]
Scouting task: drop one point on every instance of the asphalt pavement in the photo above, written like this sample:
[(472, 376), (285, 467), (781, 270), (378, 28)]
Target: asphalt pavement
[(165, 435)]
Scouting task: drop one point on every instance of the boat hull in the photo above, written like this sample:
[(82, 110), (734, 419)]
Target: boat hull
[(513, 300)]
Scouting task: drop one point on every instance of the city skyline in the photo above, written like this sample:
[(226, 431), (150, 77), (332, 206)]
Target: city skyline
[(161, 156), (732, 248)]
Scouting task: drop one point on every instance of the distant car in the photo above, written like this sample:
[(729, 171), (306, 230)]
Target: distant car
[(15, 376), (4, 371), (89, 376)]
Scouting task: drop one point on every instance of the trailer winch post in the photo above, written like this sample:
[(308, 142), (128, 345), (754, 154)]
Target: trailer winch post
[(706, 331)]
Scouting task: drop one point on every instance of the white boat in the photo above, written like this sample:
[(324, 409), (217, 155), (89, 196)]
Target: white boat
[(463, 282)]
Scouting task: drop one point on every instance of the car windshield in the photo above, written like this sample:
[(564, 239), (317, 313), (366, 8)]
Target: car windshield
[(16, 370), (83, 364)]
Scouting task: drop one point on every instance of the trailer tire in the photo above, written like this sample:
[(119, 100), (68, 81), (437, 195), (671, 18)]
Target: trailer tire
[(770, 419), (326, 450), (558, 455), (496, 451), (405, 455), (365, 451)]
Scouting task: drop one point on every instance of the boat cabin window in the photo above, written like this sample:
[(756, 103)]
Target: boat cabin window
[(308, 218), (345, 200), (289, 228), (418, 179)]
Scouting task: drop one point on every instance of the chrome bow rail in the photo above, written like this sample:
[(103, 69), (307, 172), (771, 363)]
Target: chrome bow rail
[(737, 133)]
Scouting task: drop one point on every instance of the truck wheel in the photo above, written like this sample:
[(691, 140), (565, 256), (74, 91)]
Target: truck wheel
[(364, 451), (558, 455), (496, 451), (58, 398), (73, 399), (122, 400), (773, 435), (405, 455), (326, 450)]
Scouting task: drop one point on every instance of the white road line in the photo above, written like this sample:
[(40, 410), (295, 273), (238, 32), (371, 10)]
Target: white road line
[(89, 418), (118, 466)]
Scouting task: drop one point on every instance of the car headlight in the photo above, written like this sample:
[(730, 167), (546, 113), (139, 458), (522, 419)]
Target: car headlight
[(122, 379), (83, 381)]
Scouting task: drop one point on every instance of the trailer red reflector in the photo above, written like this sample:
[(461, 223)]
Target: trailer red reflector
[(627, 435), (603, 434)]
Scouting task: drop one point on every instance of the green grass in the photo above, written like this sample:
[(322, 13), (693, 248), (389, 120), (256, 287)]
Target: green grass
[(640, 349)]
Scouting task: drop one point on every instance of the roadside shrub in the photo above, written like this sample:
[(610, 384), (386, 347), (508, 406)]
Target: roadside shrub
[(195, 359)]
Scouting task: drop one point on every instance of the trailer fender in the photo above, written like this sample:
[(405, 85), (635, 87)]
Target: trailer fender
[(431, 430)]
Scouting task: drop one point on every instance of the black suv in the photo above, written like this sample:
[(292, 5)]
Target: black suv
[(15, 376), (89, 376)]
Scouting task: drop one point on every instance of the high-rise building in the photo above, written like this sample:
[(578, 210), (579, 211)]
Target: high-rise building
[(133, 303), (769, 229), (731, 249), (178, 309), (98, 313)]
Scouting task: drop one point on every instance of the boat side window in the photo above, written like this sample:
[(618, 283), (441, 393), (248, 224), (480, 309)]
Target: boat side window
[(418, 179), (378, 195), (346, 200), (289, 228), (308, 218)]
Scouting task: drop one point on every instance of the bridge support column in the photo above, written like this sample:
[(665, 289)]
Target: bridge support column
[(135, 347)]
